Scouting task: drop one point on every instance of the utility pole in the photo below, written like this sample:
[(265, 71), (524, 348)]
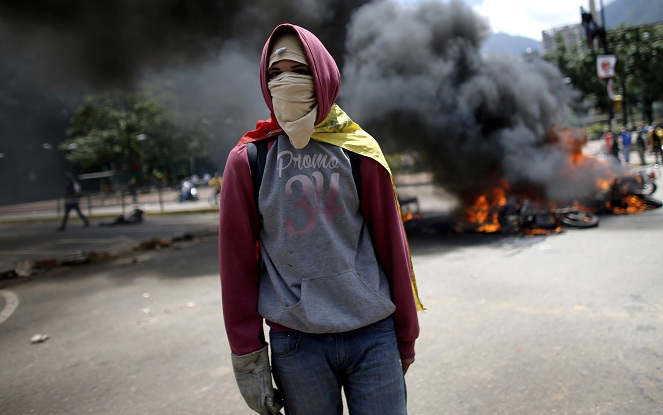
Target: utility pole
[(594, 32), (610, 80), (602, 15)]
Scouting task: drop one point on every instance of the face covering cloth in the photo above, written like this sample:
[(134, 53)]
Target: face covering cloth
[(295, 106)]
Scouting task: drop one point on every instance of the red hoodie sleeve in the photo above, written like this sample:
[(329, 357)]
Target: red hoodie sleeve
[(383, 218), (238, 266)]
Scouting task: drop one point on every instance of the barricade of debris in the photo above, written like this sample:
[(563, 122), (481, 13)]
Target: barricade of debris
[(28, 267)]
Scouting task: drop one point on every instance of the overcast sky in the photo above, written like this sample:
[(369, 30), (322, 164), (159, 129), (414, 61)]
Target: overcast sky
[(528, 17)]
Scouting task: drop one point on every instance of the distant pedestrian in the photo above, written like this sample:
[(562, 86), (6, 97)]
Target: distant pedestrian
[(655, 137), (607, 140), (625, 135), (640, 145), (611, 145), (133, 187), (216, 182), (72, 194)]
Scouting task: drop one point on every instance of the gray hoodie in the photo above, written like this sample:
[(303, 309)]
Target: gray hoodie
[(320, 271)]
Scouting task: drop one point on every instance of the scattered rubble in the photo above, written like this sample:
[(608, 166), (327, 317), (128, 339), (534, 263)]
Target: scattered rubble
[(5, 275), (28, 268), (154, 243), (183, 238), (78, 259), (39, 338)]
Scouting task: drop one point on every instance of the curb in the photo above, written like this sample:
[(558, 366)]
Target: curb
[(107, 215)]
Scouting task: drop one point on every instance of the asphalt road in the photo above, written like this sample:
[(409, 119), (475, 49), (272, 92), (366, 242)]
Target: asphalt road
[(570, 323)]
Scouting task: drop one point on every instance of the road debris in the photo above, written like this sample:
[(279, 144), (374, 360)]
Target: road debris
[(29, 267), (154, 244), (39, 338), (183, 238), (78, 259)]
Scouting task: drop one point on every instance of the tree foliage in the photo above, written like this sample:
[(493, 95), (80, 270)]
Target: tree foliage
[(639, 52), (639, 79), (132, 133)]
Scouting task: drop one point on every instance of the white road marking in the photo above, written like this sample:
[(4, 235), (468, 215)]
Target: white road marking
[(11, 303)]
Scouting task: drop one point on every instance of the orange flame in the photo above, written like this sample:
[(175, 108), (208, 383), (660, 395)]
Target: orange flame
[(482, 211), (630, 204), (541, 231)]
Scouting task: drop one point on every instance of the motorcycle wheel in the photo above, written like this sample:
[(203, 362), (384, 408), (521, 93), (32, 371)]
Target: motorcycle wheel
[(578, 219), (648, 188)]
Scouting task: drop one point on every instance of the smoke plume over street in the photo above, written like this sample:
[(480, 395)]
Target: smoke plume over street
[(205, 52), (417, 75), (413, 76)]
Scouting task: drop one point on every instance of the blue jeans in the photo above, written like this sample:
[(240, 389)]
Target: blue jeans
[(311, 369)]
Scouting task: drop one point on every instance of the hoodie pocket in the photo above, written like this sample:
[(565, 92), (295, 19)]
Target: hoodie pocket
[(337, 303)]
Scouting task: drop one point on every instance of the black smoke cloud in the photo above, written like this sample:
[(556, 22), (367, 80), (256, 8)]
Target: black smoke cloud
[(103, 44), (415, 76), (412, 75), (108, 43), (206, 52)]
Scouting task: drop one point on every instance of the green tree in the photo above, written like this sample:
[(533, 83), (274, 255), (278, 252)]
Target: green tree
[(133, 134), (579, 65), (639, 52)]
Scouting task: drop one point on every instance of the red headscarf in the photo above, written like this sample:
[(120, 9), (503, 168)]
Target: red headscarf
[(326, 77)]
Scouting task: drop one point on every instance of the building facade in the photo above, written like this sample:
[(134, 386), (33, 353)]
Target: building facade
[(570, 35)]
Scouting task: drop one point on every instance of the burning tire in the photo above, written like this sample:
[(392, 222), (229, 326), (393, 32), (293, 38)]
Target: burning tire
[(577, 218), (648, 188), (647, 180)]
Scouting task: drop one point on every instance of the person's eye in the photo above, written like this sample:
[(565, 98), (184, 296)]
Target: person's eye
[(273, 74), (303, 71)]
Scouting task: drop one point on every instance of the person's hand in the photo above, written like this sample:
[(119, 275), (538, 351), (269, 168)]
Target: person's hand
[(254, 378), (406, 364)]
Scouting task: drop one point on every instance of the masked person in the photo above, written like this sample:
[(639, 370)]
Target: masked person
[(317, 249)]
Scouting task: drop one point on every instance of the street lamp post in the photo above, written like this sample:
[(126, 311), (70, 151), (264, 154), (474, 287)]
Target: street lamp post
[(611, 105), (595, 32)]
